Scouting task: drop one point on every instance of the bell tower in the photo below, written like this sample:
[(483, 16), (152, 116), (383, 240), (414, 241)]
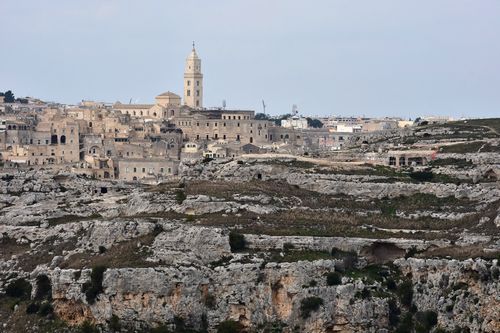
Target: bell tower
[(193, 81)]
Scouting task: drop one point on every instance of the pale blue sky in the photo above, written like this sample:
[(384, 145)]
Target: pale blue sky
[(349, 57)]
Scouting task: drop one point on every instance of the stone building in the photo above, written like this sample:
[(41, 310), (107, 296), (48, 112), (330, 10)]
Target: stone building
[(153, 169)]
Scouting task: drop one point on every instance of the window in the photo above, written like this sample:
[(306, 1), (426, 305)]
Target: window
[(161, 170), (224, 136), (197, 137), (197, 103), (237, 137), (143, 169), (208, 124), (188, 93), (197, 83), (215, 124), (135, 169), (197, 93), (238, 124), (189, 83)]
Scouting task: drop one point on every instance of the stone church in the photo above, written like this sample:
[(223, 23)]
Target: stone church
[(200, 124)]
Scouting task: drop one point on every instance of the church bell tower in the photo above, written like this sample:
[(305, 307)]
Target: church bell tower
[(193, 81)]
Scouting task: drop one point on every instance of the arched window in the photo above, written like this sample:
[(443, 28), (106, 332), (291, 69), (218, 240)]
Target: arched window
[(63, 139)]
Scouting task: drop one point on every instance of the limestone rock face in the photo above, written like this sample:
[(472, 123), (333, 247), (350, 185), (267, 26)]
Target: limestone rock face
[(184, 244), (253, 295)]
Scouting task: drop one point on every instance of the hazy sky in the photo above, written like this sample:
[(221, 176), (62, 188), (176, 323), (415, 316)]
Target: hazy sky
[(348, 57)]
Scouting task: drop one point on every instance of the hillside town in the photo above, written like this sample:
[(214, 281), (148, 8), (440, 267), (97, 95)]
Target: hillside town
[(173, 217), (146, 142)]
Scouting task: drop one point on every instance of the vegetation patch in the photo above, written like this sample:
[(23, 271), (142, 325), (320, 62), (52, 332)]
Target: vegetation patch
[(236, 241), (309, 305), (93, 288)]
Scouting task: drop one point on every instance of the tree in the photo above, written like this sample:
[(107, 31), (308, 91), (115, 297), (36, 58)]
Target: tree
[(278, 119), (261, 116), (9, 97), (236, 241), (314, 123)]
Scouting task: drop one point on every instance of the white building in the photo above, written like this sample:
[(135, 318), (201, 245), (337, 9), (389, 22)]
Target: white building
[(295, 122)]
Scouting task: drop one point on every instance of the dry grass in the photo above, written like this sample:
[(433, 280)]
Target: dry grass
[(123, 254)]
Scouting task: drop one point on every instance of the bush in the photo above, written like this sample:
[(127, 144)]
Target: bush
[(421, 176), (391, 284), (288, 246), (87, 327), (426, 320), (333, 279), (43, 287), (394, 312), (32, 308), (19, 288), (102, 249), (180, 196), (308, 305), (229, 326), (236, 241), (405, 292), (406, 324), (94, 288), (45, 309), (114, 324)]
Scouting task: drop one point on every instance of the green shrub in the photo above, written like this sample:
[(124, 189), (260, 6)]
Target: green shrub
[(405, 292), (114, 324), (43, 287), (94, 288), (45, 309), (391, 284), (333, 279), (229, 326), (309, 305), (19, 288), (180, 196), (406, 324), (394, 312), (426, 320), (422, 176), (288, 246), (236, 241), (88, 327), (32, 308)]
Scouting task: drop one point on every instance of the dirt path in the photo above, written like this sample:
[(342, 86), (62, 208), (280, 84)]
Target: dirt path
[(319, 161)]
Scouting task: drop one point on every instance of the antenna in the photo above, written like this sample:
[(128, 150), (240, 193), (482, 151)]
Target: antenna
[(130, 102), (264, 106), (223, 104)]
